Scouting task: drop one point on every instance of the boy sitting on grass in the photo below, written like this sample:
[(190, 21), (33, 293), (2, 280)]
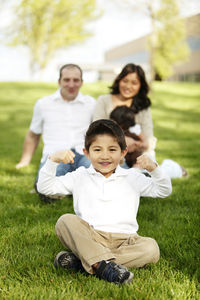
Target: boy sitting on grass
[(102, 236)]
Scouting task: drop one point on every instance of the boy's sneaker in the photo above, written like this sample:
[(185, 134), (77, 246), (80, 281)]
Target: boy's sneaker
[(113, 272), (68, 260)]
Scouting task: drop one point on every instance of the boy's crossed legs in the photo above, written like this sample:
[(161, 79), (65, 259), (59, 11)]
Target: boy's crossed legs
[(94, 247)]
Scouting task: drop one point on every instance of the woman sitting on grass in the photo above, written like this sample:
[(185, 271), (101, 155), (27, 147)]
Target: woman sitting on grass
[(125, 118), (102, 236), (130, 88)]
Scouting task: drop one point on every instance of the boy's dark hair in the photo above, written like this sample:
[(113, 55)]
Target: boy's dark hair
[(104, 126), (124, 116)]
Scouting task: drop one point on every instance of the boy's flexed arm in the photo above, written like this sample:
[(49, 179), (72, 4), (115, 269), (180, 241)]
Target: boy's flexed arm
[(65, 156), (144, 162), (159, 185), (48, 183)]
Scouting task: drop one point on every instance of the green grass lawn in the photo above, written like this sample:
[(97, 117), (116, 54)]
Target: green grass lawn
[(28, 243)]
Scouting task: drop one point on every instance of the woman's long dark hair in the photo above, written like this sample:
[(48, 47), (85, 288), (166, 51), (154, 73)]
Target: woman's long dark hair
[(141, 100)]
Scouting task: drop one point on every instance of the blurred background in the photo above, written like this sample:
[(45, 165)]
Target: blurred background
[(38, 37)]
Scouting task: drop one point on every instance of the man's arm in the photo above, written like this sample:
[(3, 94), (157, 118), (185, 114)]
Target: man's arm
[(30, 144)]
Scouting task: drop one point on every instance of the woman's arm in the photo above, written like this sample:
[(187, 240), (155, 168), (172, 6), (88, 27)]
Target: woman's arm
[(103, 108), (144, 119), (137, 145)]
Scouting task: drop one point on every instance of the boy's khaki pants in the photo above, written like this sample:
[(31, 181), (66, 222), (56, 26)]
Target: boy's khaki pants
[(92, 246)]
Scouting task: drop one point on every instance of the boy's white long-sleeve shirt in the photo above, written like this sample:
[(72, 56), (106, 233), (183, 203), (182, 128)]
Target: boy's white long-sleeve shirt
[(108, 204)]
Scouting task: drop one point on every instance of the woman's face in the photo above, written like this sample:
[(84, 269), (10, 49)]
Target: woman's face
[(129, 86)]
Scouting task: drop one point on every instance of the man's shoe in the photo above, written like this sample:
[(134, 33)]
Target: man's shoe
[(44, 198), (68, 260), (113, 272)]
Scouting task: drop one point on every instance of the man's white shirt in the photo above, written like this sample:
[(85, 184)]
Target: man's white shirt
[(63, 124)]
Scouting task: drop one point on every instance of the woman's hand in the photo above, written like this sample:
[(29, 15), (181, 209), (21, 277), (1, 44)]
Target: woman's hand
[(65, 156), (134, 145)]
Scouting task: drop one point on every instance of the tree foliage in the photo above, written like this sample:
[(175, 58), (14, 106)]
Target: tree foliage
[(170, 44), (46, 26), (167, 42)]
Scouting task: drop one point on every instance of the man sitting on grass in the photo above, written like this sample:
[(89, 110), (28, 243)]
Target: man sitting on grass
[(62, 119), (102, 236)]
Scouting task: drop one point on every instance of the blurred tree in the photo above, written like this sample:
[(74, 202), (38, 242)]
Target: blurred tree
[(167, 42), (46, 26)]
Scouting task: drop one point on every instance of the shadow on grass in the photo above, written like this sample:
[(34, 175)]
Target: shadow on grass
[(174, 223)]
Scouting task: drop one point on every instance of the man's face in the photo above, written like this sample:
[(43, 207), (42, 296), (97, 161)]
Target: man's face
[(70, 83)]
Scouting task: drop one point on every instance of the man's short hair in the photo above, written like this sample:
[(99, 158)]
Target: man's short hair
[(104, 126), (69, 66)]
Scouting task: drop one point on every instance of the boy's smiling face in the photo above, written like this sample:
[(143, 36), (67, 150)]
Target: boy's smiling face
[(105, 154)]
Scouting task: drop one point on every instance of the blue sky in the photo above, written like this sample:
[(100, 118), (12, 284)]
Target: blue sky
[(115, 27)]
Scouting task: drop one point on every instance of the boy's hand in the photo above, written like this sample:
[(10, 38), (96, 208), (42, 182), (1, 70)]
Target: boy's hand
[(65, 156), (145, 162)]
